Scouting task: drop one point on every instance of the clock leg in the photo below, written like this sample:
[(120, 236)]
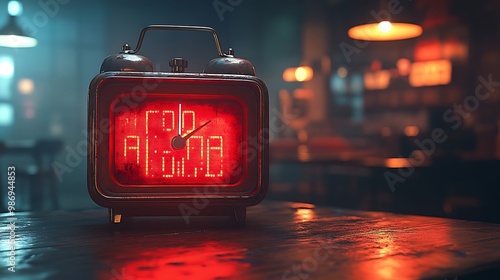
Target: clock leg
[(240, 215), (114, 217)]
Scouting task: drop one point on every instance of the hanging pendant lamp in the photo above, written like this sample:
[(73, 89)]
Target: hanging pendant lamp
[(11, 35)]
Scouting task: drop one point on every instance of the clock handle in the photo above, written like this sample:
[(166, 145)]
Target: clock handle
[(177, 27)]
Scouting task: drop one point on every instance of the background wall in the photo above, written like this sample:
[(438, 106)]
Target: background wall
[(75, 36)]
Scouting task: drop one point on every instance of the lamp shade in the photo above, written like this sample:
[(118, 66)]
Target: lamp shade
[(12, 36), (384, 31)]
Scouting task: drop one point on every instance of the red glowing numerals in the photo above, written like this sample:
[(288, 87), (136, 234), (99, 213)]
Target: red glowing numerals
[(210, 133)]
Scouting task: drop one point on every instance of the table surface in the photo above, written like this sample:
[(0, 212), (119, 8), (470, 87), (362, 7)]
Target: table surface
[(281, 240)]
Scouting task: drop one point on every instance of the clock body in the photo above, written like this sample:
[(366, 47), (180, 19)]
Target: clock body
[(176, 143)]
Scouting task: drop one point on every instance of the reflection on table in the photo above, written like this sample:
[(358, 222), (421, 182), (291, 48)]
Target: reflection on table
[(280, 241)]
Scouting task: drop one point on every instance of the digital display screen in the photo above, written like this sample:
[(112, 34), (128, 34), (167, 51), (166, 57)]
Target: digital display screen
[(178, 139)]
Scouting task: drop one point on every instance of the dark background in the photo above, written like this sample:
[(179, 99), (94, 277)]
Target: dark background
[(344, 119)]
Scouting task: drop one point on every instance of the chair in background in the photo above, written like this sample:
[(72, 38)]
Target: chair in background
[(38, 171)]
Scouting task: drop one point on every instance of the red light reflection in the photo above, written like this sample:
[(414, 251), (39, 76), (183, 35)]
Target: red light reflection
[(304, 215), (209, 261), (388, 259)]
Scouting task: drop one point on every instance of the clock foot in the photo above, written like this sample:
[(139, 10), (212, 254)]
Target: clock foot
[(114, 217), (240, 216), (117, 216)]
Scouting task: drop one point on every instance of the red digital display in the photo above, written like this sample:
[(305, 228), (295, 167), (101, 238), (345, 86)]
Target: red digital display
[(171, 139)]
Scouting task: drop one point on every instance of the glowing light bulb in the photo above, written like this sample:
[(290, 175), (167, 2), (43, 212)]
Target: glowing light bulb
[(300, 74), (384, 26), (26, 86), (14, 8), (303, 73), (411, 130)]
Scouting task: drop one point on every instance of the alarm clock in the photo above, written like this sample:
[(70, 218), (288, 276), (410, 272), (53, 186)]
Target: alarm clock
[(177, 143)]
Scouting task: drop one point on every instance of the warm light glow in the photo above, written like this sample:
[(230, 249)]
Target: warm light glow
[(14, 8), (455, 49), (397, 163), (289, 75), (26, 86), (385, 31), (386, 131), (430, 73), (428, 49), (303, 74), (404, 66), (411, 131), (304, 215), (377, 80), (302, 136), (302, 205), (298, 74), (342, 72), (303, 153), (385, 26), (143, 142), (302, 93), (16, 41), (375, 65)]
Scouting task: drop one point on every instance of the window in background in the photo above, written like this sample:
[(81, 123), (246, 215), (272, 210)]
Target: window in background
[(347, 90), (338, 87), (6, 74), (6, 67), (6, 114), (357, 98)]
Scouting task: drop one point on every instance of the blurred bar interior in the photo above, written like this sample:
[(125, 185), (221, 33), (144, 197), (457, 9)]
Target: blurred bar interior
[(404, 120)]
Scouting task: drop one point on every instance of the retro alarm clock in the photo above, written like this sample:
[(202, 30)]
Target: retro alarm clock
[(177, 143)]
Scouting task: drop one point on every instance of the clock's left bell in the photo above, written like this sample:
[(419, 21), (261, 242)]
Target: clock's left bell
[(126, 61)]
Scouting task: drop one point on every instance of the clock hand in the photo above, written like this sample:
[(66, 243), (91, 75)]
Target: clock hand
[(179, 142), (194, 131), (179, 122)]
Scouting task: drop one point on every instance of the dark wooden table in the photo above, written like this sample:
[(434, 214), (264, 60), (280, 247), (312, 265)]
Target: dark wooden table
[(280, 241)]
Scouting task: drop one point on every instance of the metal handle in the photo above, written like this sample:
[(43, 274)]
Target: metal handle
[(177, 27)]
